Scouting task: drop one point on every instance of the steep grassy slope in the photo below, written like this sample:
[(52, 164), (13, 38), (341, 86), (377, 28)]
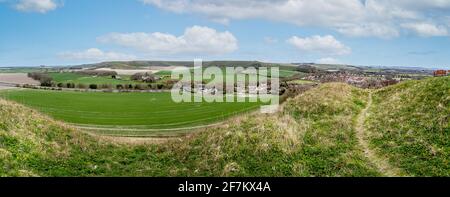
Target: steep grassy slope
[(410, 124)]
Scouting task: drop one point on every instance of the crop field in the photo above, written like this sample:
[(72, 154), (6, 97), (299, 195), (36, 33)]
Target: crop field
[(126, 113), (86, 79), (20, 70), (288, 73), (17, 78)]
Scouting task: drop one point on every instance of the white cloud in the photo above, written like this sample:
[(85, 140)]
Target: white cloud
[(426, 29), (40, 6), (370, 30), (195, 40), (379, 18), (328, 60), (270, 40), (320, 44), (95, 54), (420, 4)]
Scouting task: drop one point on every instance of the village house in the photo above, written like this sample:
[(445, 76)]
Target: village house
[(440, 73)]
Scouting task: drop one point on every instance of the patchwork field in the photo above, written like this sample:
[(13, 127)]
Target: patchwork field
[(126, 113)]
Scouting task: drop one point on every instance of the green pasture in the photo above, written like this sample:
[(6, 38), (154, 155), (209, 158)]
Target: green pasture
[(126, 113), (87, 79)]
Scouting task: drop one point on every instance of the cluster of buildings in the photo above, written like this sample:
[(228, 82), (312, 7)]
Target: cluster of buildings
[(354, 79), (202, 88), (440, 73)]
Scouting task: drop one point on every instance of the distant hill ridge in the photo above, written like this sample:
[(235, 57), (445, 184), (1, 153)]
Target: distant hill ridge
[(144, 64)]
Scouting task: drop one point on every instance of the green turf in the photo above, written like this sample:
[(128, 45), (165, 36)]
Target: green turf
[(125, 110)]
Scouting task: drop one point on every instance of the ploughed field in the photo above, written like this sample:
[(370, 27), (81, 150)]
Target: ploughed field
[(127, 114)]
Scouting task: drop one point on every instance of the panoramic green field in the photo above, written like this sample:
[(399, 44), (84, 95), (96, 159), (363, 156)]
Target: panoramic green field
[(126, 113)]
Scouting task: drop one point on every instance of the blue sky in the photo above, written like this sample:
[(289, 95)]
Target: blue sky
[(376, 32)]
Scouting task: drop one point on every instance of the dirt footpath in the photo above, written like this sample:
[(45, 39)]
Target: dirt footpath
[(361, 133)]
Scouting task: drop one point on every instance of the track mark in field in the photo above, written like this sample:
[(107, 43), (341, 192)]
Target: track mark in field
[(381, 164), (136, 129)]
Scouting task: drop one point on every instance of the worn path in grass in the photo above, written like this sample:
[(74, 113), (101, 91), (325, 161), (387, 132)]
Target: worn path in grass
[(381, 164)]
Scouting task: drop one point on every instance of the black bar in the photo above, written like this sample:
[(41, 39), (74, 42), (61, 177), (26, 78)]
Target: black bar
[(305, 186)]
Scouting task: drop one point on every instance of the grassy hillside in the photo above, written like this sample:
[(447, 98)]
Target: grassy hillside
[(313, 136), (255, 145), (410, 125)]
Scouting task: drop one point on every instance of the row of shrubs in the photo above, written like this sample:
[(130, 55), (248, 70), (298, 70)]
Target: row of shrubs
[(118, 87)]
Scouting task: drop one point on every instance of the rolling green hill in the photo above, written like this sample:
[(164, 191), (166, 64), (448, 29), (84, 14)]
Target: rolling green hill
[(315, 135), (410, 125)]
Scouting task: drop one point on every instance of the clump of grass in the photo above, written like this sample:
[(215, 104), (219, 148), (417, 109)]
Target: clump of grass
[(249, 146), (410, 124)]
